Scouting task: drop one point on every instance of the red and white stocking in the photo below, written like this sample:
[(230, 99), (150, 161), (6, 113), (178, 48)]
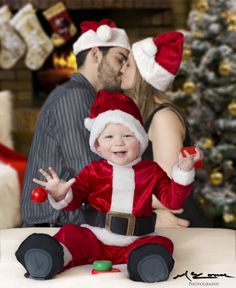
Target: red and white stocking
[(62, 26), (12, 47), (39, 46)]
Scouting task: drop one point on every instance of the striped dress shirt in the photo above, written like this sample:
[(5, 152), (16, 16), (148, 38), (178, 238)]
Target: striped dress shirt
[(61, 141)]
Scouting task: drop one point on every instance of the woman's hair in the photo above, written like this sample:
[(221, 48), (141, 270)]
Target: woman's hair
[(148, 98)]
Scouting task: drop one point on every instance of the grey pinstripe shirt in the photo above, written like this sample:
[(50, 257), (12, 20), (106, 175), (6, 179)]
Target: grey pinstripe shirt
[(61, 141)]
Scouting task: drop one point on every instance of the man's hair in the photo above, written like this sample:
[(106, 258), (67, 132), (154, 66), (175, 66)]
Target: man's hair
[(80, 58)]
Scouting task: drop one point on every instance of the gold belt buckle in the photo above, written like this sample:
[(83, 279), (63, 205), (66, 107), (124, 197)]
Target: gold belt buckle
[(129, 217)]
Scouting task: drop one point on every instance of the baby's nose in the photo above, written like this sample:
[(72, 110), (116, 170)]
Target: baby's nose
[(119, 141)]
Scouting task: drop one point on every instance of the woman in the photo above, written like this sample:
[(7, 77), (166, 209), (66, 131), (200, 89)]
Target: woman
[(149, 71)]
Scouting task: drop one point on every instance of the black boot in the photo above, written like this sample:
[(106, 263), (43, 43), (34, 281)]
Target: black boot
[(150, 263), (41, 255)]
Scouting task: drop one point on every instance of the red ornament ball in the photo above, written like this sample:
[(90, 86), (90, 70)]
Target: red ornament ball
[(39, 195), (191, 150)]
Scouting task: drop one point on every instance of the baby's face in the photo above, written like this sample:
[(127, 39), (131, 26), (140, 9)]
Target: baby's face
[(118, 144)]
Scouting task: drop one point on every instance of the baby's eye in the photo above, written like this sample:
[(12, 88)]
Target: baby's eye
[(128, 135), (108, 136)]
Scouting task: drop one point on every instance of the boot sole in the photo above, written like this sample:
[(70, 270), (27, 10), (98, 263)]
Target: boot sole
[(153, 268), (38, 263)]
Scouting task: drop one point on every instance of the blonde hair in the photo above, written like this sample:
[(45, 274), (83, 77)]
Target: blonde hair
[(148, 98)]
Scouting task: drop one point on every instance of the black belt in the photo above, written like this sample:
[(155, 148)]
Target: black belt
[(120, 223)]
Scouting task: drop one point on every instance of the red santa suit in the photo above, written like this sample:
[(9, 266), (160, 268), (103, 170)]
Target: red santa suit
[(126, 189)]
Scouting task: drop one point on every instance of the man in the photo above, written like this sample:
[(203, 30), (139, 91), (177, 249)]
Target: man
[(60, 139)]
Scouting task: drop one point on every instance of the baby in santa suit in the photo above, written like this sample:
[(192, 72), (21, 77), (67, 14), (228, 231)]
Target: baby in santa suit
[(117, 192)]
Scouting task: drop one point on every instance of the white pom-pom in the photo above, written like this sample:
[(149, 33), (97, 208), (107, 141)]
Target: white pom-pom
[(104, 32), (149, 48), (88, 123)]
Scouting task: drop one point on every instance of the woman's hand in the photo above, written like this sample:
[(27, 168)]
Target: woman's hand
[(167, 219), (187, 163), (56, 187)]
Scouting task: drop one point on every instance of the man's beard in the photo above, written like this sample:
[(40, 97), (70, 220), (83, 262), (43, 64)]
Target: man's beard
[(108, 78)]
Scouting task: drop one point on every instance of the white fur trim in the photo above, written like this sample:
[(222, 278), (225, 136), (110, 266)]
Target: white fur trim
[(104, 32), (182, 177), (67, 255), (150, 70), (110, 238), (91, 39), (122, 191), (10, 197), (88, 123), (149, 47), (6, 118), (118, 117), (63, 203)]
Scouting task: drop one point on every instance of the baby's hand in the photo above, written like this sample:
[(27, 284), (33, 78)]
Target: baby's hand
[(54, 186), (187, 163)]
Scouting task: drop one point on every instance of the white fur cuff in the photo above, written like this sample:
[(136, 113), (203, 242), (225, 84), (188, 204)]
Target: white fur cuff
[(63, 203), (182, 177)]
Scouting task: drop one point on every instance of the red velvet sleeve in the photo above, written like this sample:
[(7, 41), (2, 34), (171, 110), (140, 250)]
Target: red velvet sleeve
[(171, 194), (80, 189)]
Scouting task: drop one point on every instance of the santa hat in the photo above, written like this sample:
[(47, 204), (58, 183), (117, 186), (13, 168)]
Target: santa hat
[(100, 34), (115, 108), (158, 59)]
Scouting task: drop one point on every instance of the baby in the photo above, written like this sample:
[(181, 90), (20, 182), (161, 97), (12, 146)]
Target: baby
[(117, 192)]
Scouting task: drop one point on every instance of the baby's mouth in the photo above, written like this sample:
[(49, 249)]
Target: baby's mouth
[(120, 153)]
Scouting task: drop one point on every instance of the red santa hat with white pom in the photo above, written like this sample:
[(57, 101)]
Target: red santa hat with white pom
[(116, 108), (158, 59), (100, 34)]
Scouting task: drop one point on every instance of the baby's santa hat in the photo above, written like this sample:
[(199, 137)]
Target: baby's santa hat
[(158, 59), (100, 34), (115, 108)]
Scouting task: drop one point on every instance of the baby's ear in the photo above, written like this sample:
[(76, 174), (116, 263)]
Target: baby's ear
[(97, 146)]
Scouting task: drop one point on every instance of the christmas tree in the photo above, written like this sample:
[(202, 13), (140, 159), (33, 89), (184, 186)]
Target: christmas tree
[(205, 88)]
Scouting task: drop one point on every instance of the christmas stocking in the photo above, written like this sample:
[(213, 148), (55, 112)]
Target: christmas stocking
[(38, 44), (12, 47), (61, 23)]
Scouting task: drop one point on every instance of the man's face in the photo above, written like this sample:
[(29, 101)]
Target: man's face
[(109, 69)]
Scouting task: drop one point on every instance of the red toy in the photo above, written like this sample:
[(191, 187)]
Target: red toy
[(39, 195), (191, 150), (94, 272)]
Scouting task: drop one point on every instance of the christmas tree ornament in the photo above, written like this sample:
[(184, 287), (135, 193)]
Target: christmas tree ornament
[(197, 16), (187, 53), (202, 5), (224, 68), (62, 26), (189, 87), (228, 214), (39, 195), (208, 143), (216, 178), (12, 47), (230, 18), (39, 46), (228, 168), (232, 108)]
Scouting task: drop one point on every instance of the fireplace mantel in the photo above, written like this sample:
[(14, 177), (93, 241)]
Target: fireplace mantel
[(91, 4)]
